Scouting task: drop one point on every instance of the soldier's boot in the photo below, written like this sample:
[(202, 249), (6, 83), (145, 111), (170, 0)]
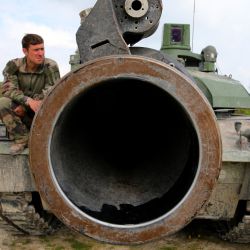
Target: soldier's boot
[(16, 129), (17, 148)]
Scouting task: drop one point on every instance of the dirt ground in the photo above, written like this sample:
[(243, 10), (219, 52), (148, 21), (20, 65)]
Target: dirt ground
[(64, 239)]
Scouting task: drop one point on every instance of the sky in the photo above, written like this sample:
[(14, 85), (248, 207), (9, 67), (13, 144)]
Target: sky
[(221, 23)]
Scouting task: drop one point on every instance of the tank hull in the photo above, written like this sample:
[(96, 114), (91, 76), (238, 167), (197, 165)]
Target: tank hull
[(217, 197)]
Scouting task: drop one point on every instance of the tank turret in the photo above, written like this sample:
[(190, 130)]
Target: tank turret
[(222, 91)]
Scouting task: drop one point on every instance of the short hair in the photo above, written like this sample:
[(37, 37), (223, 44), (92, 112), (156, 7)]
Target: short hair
[(31, 39)]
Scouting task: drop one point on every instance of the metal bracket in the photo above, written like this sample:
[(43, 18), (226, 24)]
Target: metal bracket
[(112, 25)]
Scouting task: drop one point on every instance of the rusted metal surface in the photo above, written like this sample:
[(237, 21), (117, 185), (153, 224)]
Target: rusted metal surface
[(168, 80), (110, 27)]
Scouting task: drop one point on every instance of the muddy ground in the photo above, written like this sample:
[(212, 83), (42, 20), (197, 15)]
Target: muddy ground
[(194, 237)]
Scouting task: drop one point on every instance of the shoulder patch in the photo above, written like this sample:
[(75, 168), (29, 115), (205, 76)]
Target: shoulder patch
[(11, 67), (50, 62), (51, 70)]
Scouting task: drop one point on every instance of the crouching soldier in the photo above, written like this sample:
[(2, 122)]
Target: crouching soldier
[(26, 81)]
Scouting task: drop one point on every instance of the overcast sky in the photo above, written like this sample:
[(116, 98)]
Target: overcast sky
[(221, 23)]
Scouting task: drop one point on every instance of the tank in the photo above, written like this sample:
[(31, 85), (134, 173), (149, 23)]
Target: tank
[(133, 143)]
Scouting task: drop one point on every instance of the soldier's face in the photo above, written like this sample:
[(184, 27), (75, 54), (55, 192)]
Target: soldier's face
[(35, 54)]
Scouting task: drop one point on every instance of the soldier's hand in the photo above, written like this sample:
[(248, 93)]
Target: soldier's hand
[(20, 111), (34, 104)]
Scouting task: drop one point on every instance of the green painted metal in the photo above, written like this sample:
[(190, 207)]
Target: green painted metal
[(74, 60), (176, 36), (221, 91)]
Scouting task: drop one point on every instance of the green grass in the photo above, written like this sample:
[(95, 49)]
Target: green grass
[(26, 241), (168, 248), (77, 245), (45, 239), (243, 111), (195, 246), (59, 248)]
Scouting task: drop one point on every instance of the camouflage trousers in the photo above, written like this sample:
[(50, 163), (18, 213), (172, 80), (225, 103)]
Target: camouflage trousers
[(16, 126)]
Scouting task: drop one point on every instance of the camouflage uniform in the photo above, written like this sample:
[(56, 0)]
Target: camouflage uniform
[(17, 87)]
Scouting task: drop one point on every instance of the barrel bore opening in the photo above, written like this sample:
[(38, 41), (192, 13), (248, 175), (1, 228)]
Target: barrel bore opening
[(136, 5), (124, 151)]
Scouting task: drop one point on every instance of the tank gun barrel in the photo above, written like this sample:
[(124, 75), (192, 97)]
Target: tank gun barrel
[(123, 154)]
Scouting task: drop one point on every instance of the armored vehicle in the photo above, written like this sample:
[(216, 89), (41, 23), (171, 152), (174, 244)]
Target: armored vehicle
[(134, 143)]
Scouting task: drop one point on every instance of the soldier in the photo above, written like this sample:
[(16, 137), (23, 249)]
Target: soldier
[(26, 82)]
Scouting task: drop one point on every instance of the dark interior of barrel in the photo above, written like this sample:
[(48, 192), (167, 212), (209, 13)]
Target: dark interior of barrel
[(124, 151)]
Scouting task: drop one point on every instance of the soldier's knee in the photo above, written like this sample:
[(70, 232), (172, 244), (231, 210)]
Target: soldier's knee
[(5, 103)]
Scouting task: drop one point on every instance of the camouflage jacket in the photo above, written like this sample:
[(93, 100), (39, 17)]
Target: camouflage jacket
[(19, 84)]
